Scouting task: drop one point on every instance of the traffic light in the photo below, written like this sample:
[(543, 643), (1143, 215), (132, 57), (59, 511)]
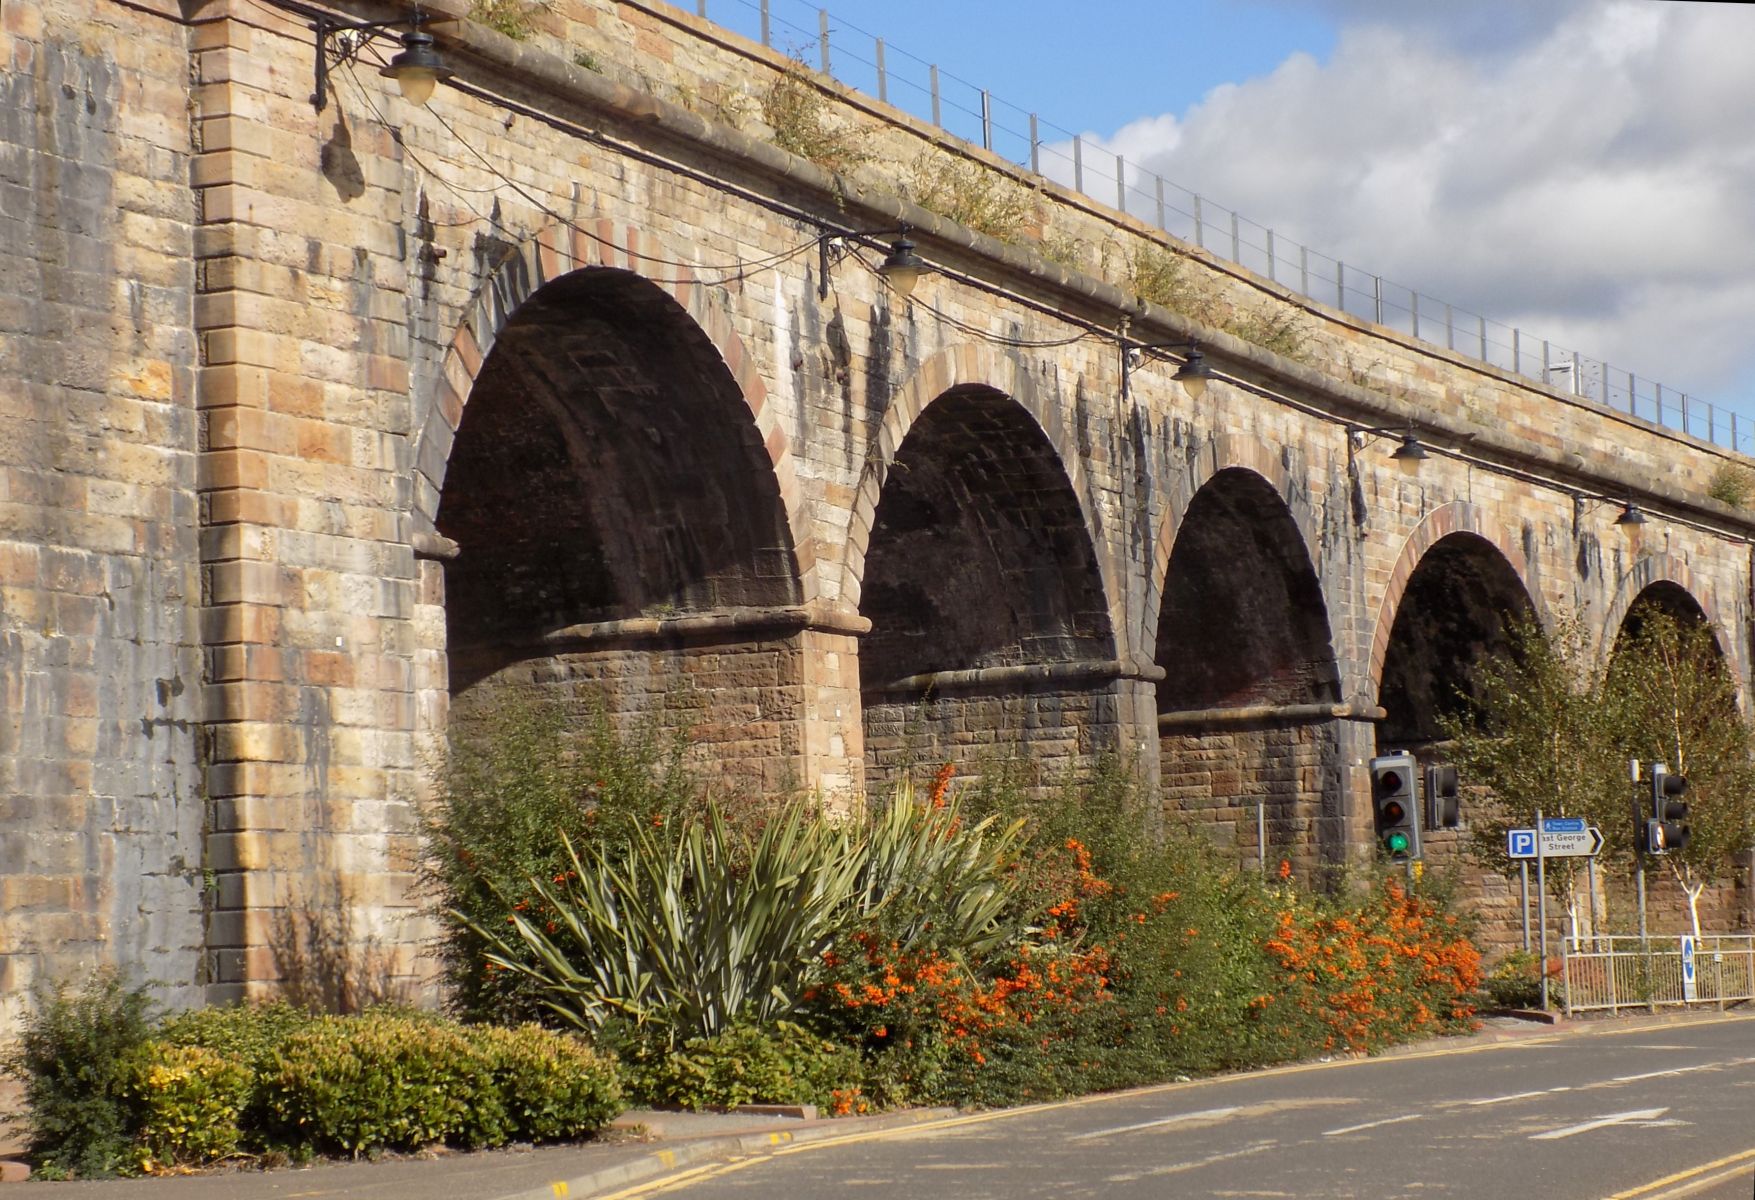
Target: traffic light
[(1395, 805), (1443, 803), (1667, 829)]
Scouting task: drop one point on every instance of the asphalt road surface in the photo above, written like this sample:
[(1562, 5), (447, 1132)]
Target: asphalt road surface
[(1647, 1113)]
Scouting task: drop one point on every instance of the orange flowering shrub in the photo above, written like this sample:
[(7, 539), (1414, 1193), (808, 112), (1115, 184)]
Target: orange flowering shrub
[(1394, 967)]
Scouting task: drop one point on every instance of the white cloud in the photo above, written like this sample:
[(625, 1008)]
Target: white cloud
[(1585, 171)]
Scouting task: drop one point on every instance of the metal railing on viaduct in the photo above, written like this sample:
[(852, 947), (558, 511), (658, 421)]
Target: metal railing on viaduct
[(865, 62)]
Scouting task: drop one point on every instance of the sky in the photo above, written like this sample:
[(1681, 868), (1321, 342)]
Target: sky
[(1581, 169)]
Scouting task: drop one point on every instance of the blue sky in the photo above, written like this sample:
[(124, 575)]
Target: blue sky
[(1581, 169)]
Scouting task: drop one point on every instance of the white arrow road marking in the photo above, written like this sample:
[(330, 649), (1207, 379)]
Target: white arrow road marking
[(1205, 1114), (1373, 1124), (1638, 1114)]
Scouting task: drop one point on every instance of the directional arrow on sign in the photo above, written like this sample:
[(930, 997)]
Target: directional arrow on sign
[(1586, 842), (1639, 1116)]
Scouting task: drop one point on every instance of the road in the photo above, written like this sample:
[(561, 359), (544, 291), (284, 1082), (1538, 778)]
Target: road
[(1635, 1114)]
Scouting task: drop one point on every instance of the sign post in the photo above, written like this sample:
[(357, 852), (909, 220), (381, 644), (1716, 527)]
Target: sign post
[(1690, 988), (1542, 911)]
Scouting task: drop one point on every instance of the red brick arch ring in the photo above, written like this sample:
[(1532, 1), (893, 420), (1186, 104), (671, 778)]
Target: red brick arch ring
[(1663, 568), (592, 244), (1223, 453), (1457, 516), (970, 365)]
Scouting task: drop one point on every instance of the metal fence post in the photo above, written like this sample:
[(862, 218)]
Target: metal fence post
[(767, 25), (1236, 240), (1483, 325), (1414, 308), (986, 119), (1121, 184), (1341, 284), (937, 120), (823, 37), (882, 75), (700, 8), (1377, 298), (1516, 350), (1304, 268), (1199, 238), (1160, 194), (1035, 146), (1078, 164), (1270, 254)]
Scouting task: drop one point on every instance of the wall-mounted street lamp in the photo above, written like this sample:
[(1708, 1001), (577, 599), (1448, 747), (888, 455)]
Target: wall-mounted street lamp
[(1193, 374), (901, 268), (1630, 520), (416, 68), (1408, 454)]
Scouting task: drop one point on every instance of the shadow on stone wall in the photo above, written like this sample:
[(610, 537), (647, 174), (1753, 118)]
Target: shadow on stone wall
[(324, 965)]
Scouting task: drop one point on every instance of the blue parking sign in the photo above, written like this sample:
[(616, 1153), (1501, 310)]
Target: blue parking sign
[(1520, 843)]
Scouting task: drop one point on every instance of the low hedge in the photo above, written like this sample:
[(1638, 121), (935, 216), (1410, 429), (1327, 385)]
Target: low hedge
[(114, 1093)]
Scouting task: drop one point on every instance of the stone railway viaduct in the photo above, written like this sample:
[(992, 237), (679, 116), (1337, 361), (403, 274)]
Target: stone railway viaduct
[(324, 427)]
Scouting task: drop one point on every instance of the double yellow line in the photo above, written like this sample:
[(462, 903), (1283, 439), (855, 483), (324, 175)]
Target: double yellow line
[(1684, 1183)]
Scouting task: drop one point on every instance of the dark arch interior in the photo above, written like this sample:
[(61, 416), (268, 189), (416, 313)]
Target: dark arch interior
[(1461, 602), (1663, 597), (978, 554), (606, 467), (1243, 619)]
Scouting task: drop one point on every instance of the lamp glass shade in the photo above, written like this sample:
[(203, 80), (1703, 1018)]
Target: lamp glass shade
[(1630, 520), (1193, 375), (417, 68), (1409, 455), (902, 268), (417, 84)]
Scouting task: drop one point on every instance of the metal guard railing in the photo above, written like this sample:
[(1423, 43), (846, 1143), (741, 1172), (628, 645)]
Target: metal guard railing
[(1609, 974), (864, 62)]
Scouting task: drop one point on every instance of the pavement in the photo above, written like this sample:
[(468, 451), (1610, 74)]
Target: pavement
[(642, 1145)]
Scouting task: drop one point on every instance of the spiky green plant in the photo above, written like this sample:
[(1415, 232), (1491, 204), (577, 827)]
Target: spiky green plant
[(687, 936)]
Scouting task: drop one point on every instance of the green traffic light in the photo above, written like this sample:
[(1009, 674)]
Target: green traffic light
[(1397, 843)]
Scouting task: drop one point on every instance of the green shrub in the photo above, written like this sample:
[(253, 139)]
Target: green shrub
[(519, 782), (1515, 981), (188, 1102), (248, 1034), (544, 1086), (73, 1057), (782, 1063), (384, 1080)]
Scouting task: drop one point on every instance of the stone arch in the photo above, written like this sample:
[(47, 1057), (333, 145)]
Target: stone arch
[(1457, 516), (559, 250), (973, 560), (969, 366), (1453, 610), (620, 509), (1225, 452), (1242, 617), (1658, 573)]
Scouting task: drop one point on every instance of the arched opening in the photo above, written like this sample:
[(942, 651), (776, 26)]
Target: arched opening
[(989, 626), (1246, 729), (607, 479), (1661, 598), (1461, 603)]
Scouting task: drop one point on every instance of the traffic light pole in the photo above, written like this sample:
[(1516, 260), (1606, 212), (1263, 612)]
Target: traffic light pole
[(1542, 908)]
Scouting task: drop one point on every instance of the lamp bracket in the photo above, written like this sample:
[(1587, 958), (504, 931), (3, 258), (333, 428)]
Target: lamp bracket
[(833, 245), (340, 42)]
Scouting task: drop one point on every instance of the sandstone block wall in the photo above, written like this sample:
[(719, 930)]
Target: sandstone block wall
[(101, 806)]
